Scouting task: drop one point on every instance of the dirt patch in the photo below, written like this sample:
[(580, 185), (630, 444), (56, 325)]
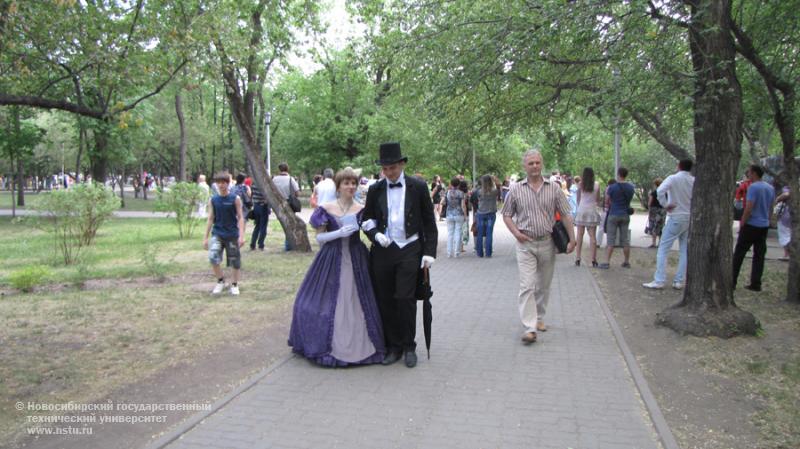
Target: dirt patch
[(139, 341), (198, 381), (736, 393)]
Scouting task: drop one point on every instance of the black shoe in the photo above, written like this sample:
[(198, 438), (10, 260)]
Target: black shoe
[(390, 358), (411, 359), (752, 288)]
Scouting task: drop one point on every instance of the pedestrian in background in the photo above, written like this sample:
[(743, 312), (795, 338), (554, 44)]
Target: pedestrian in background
[(619, 196), (586, 217), (676, 194), (756, 218)]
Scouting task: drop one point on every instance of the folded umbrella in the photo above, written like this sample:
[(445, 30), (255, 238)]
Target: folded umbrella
[(424, 293)]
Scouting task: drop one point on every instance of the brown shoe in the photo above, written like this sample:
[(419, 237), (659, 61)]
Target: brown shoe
[(529, 337), (541, 327)]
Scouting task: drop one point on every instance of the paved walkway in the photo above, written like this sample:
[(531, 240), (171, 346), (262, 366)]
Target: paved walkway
[(481, 388)]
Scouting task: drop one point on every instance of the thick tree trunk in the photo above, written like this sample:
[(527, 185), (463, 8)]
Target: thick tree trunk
[(182, 127), (99, 156), (293, 227), (708, 307)]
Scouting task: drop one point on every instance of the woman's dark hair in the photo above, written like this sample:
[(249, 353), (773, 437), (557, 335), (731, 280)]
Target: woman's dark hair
[(455, 181), (462, 186), (587, 180), (240, 178)]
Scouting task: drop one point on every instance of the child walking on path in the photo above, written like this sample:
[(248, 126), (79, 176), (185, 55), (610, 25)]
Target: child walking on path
[(226, 227)]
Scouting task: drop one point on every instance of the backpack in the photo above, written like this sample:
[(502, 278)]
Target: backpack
[(247, 202)]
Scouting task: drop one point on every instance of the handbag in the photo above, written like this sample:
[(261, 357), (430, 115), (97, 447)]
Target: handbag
[(294, 201), (560, 237), (630, 211)]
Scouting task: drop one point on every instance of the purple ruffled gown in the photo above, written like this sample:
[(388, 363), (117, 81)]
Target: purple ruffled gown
[(336, 321)]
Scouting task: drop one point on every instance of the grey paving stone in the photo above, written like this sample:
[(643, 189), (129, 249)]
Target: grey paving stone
[(481, 388)]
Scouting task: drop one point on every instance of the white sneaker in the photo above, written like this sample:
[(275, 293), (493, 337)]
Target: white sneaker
[(677, 285), (654, 285), (218, 288), (235, 290)]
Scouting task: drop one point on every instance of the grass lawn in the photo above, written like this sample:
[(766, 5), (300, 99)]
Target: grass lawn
[(131, 203), (108, 322)]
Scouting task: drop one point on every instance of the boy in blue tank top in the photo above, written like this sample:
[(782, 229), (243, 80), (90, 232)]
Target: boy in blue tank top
[(226, 227)]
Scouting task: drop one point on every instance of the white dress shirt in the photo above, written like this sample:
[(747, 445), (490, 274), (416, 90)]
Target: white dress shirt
[(396, 205), (677, 190)]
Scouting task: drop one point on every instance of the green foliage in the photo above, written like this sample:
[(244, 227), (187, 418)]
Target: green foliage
[(74, 215), (155, 268), (181, 200), (27, 278)]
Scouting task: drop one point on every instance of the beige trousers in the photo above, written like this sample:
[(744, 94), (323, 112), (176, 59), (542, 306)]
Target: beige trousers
[(536, 261)]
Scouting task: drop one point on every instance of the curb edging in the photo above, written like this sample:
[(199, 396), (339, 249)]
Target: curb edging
[(197, 418), (659, 422)]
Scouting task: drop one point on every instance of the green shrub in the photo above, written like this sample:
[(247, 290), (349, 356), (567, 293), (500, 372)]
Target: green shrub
[(156, 269), (74, 215), (27, 278), (181, 201)]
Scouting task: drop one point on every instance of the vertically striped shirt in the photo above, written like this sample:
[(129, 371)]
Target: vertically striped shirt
[(534, 212)]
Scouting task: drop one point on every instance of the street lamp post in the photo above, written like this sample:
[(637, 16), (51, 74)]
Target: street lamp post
[(267, 119), (616, 128)]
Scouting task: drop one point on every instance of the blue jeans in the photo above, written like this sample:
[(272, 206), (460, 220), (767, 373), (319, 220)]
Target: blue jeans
[(676, 228), (454, 224), (485, 229), (261, 215)]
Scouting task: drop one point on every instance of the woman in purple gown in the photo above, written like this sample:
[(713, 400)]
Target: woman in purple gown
[(335, 321)]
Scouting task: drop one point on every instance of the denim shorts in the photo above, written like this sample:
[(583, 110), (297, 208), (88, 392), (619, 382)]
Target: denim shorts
[(618, 224), (231, 247)]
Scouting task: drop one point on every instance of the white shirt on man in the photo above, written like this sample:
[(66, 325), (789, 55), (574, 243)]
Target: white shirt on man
[(677, 190), (326, 191), (396, 202)]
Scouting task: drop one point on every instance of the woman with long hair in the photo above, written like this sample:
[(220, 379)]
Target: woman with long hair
[(656, 215), (436, 195), (586, 217), (486, 214), (456, 213)]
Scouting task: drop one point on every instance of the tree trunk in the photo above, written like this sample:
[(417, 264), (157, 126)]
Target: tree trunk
[(12, 181), (81, 145), (99, 156), (293, 227), (182, 127), (122, 188), (20, 167), (707, 307)]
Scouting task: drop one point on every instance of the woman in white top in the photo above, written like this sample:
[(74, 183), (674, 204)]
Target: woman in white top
[(587, 217)]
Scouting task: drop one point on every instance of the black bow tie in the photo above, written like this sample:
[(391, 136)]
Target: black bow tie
[(395, 184)]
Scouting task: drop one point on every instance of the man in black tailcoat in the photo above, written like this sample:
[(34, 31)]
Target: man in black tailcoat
[(399, 220)]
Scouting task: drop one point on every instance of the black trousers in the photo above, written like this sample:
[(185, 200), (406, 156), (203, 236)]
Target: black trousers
[(757, 238), (394, 278)]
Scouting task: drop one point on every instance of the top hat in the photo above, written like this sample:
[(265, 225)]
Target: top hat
[(390, 154)]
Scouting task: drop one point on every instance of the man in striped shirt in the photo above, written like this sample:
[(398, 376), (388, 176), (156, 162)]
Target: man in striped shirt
[(529, 213)]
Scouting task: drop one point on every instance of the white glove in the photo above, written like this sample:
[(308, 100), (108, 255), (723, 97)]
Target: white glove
[(344, 231), (427, 261), (368, 225), (383, 240)]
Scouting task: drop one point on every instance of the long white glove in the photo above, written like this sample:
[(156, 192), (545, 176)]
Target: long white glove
[(383, 240), (427, 261), (344, 231)]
